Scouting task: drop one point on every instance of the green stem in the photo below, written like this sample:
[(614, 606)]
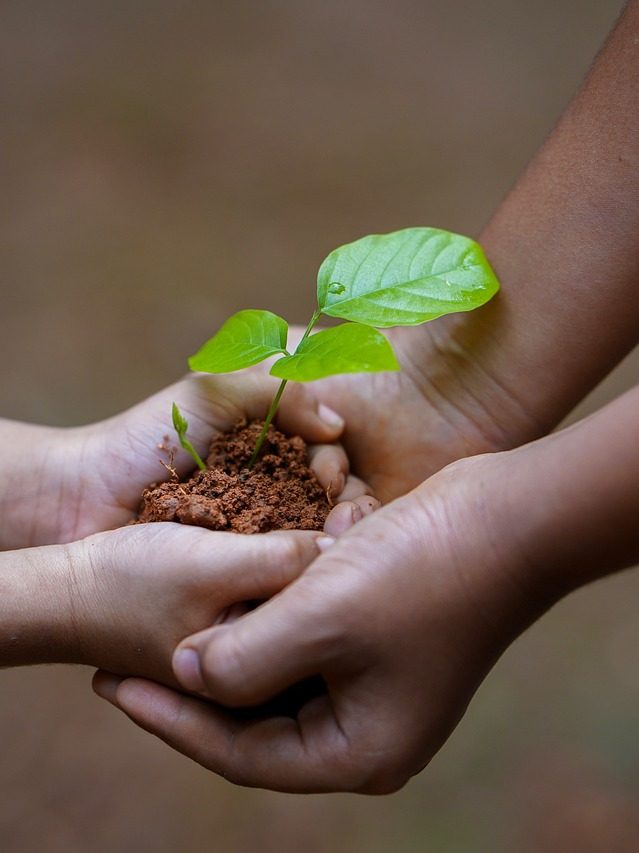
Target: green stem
[(312, 323), (278, 396), (186, 444), (267, 423)]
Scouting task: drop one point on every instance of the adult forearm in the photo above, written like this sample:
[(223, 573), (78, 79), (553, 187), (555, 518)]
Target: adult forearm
[(565, 245), (571, 501), (566, 241)]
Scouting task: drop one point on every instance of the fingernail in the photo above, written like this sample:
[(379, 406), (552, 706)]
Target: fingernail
[(330, 418), (186, 666), (324, 542), (356, 513), (368, 505)]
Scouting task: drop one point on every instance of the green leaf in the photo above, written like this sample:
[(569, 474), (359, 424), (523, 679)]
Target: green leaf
[(180, 425), (404, 278), (349, 348), (246, 338)]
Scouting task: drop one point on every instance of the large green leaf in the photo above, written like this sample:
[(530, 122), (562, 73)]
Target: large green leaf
[(404, 278), (246, 338), (349, 348)]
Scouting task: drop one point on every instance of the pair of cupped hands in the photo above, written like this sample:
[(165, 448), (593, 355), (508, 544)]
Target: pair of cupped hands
[(401, 611)]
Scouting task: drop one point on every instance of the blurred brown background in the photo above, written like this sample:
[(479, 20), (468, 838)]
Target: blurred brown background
[(166, 163)]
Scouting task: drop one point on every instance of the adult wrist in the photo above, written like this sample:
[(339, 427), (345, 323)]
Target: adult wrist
[(460, 366), (572, 500), (466, 527)]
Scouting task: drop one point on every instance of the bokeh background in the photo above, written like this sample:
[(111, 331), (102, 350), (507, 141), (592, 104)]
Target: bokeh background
[(166, 163)]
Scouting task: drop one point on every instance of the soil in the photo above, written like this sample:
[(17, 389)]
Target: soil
[(280, 492)]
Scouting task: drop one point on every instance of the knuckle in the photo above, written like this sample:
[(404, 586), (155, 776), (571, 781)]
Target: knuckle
[(383, 774), (290, 551)]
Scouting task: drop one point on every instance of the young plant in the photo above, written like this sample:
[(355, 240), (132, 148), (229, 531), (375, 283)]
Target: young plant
[(180, 425), (403, 278)]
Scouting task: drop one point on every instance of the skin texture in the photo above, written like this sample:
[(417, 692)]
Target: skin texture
[(86, 479), (86, 600), (565, 246), (406, 613), (403, 616)]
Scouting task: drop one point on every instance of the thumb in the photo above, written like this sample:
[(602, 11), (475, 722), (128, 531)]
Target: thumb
[(256, 657)]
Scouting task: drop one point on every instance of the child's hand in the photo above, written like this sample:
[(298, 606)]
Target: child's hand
[(91, 478), (123, 599)]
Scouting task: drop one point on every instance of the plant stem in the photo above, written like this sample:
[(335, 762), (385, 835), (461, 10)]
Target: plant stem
[(186, 444), (278, 396), (267, 423), (312, 323)]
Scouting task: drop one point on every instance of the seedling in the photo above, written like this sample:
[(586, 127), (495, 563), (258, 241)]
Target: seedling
[(180, 424), (403, 278)]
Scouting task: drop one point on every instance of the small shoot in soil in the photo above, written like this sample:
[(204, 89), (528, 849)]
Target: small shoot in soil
[(181, 426), (403, 278)]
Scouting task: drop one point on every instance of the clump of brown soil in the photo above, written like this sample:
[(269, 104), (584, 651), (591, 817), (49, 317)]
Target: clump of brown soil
[(280, 492)]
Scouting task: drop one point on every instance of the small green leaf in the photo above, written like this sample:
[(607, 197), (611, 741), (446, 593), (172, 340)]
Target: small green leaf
[(405, 277), (180, 425), (349, 348), (246, 338)]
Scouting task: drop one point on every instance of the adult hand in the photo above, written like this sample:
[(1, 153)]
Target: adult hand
[(443, 405), (402, 617), (565, 246)]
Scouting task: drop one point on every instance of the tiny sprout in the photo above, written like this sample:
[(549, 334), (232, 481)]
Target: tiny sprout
[(181, 426), (404, 278)]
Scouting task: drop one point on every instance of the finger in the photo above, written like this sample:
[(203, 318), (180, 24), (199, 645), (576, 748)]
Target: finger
[(300, 413), (234, 612), (330, 464), (353, 489), (105, 685), (269, 649), (343, 516), (367, 504), (347, 513), (278, 558), (307, 755), (234, 568)]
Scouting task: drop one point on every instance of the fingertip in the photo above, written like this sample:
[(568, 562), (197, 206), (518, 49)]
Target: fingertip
[(354, 488), (367, 504), (187, 669), (324, 543), (330, 465), (301, 414), (342, 517), (330, 418), (105, 685), (145, 700)]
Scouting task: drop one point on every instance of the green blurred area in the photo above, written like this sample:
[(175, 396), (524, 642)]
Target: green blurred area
[(167, 163)]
